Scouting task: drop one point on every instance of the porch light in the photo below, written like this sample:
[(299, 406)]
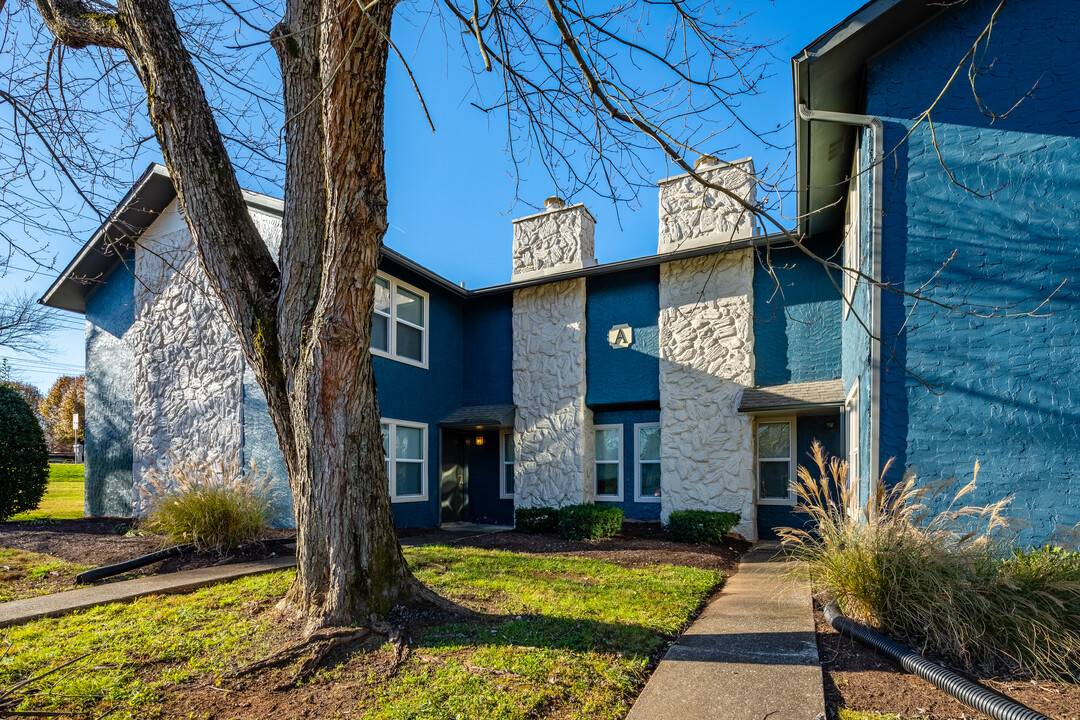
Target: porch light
[(479, 440)]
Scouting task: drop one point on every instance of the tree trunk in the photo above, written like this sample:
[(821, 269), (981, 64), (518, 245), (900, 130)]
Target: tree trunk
[(305, 323)]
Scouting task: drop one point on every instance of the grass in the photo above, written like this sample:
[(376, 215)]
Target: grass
[(63, 498), (570, 637), (952, 581), (845, 714), (26, 574)]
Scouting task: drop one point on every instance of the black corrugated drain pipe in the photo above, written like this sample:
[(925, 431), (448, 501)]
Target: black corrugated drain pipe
[(986, 701)]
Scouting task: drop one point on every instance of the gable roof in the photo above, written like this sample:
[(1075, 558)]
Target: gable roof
[(153, 191), (829, 74)]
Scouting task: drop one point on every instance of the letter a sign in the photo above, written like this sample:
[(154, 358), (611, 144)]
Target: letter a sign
[(620, 336)]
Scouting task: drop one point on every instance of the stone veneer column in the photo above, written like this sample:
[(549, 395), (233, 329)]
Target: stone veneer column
[(553, 428), (706, 360), (559, 239), (188, 385)]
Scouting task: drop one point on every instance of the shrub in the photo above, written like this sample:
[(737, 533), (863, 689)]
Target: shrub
[(701, 526), (951, 582), (536, 520), (588, 522), (215, 507), (24, 457)]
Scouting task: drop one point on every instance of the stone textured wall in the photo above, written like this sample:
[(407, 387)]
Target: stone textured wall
[(553, 427), (554, 240), (706, 360), (188, 384), (693, 215)]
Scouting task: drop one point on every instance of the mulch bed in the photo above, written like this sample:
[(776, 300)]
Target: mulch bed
[(103, 541), (637, 545), (859, 678)]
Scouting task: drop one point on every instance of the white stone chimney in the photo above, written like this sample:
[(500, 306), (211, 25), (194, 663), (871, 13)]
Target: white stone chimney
[(554, 241), (692, 215)]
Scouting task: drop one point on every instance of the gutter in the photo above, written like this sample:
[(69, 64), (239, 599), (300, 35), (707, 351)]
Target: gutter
[(877, 159)]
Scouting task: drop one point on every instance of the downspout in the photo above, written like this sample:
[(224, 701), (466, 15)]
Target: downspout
[(877, 159)]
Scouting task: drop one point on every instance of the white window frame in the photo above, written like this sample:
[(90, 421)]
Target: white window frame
[(392, 460), (792, 450), (851, 437), (393, 320), (503, 462), (852, 236), (609, 498), (638, 497)]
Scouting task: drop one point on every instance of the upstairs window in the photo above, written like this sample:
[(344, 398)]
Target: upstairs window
[(776, 461), (399, 322), (647, 452), (609, 462)]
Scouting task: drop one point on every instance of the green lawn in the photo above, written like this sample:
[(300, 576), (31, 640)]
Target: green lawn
[(26, 574), (64, 497), (562, 637)]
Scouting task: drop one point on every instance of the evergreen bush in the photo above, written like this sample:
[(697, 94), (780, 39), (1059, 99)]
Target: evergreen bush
[(588, 522), (701, 526), (536, 520), (24, 457)]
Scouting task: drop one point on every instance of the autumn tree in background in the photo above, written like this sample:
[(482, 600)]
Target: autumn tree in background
[(66, 398), (565, 79)]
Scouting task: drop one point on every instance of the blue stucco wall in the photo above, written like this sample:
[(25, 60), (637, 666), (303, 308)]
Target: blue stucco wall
[(110, 371), (808, 428), (261, 448), (487, 350), (796, 317), (627, 375), (482, 480), (648, 511), (1000, 390), (404, 392)]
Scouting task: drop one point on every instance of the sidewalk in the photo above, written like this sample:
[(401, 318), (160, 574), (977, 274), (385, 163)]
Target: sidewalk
[(18, 612), (752, 655)]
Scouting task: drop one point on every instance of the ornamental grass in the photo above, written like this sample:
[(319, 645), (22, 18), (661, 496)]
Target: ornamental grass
[(214, 506), (952, 581)]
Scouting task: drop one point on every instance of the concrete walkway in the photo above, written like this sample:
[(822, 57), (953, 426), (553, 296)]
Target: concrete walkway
[(18, 612), (752, 655)]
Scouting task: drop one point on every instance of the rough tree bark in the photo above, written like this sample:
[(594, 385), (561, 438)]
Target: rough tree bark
[(304, 325)]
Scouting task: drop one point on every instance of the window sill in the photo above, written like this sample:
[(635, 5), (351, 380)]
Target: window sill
[(777, 501), (408, 499), (398, 358)]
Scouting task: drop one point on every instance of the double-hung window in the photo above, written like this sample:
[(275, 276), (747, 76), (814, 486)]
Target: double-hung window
[(405, 452), (647, 465), (399, 323), (776, 461), (506, 465), (852, 237), (609, 462)]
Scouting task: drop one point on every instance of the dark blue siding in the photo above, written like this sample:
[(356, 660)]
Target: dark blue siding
[(998, 390), (110, 372), (482, 463), (488, 350), (649, 511), (796, 318), (407, 392), (627, 375)]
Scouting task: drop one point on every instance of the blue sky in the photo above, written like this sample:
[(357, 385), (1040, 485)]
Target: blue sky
[(452, 193)]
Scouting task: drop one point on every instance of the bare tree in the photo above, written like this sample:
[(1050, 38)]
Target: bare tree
[(304, 321), (25, 326)]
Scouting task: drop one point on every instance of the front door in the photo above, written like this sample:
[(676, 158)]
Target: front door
[(452, 479)]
